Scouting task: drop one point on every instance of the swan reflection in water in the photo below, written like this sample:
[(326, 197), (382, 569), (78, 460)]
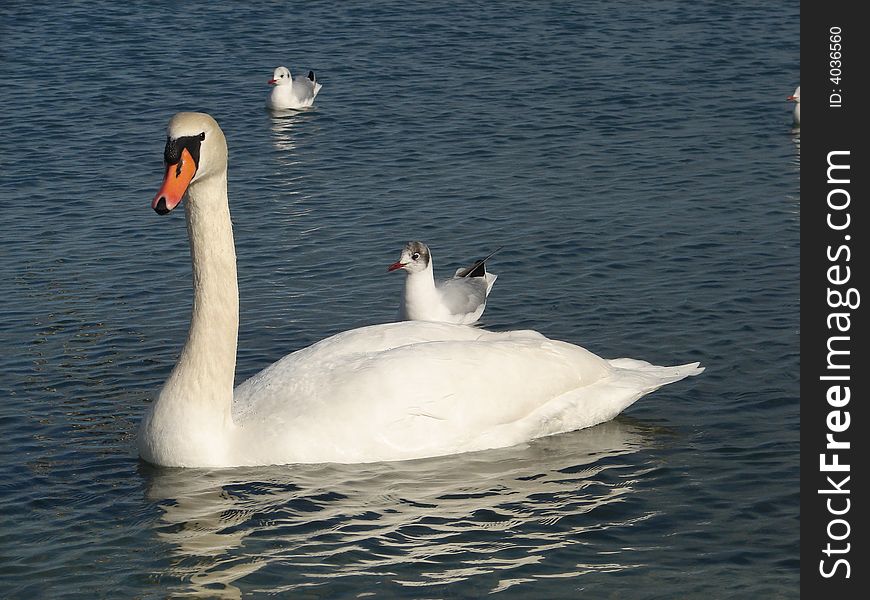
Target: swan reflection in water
[(313, 523)]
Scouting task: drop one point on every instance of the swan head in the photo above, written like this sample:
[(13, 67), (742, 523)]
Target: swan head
[(196, 149), (415, 257), (280, 76), (796, 97)]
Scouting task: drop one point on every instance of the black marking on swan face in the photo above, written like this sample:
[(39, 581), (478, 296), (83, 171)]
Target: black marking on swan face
[(174, 147)]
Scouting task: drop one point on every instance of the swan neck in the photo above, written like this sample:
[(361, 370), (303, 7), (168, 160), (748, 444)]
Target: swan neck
[(190, 423), (204, 374)]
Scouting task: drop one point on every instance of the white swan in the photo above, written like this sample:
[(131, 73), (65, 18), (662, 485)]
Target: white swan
[(460, 299), (292, 93), (796, 98), (386, 392)]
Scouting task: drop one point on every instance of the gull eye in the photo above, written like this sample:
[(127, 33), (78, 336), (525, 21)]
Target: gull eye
[(415, 256)]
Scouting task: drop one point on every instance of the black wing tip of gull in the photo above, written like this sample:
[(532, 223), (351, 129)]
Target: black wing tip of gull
[(311, 76), (478, 269)]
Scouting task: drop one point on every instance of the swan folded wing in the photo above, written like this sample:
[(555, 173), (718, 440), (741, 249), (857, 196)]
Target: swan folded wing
[(276, 380), (423, 399), (472, 390), (438, 397)]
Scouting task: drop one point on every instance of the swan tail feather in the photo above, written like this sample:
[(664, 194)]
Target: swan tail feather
[(648, 377), (597, 403)]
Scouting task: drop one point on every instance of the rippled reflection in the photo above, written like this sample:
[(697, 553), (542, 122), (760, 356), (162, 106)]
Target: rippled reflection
[(796, 140), (306, 525), (285, 126)]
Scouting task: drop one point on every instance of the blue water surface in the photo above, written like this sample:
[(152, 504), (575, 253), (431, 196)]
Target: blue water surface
[(637, 162)]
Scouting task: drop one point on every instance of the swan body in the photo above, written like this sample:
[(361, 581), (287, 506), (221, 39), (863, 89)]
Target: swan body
[(385, 392), (796, 98), (292, 93), (460, 299)]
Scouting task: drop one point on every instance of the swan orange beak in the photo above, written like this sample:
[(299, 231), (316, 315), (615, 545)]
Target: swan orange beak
[(395, 265), (175, 182)]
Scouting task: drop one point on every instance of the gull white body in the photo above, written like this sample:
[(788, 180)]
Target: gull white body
[(290, 93), (386, 392), (459, 300)]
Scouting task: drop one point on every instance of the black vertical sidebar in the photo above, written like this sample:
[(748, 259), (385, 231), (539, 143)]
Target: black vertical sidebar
[(835, 226)]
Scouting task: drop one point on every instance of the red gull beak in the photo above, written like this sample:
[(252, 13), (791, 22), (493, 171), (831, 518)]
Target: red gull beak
[(396, 265), (271, 82), (790, 98)]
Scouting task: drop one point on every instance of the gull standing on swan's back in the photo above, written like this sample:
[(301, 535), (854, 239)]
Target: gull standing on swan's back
[(796, 98), (385, 392), (292, 93), (460, 299)]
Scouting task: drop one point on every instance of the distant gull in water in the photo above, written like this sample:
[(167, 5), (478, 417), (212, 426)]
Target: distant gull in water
[(292, 93), (796, 98)]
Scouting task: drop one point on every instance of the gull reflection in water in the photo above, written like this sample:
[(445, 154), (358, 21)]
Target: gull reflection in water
[(287, 125), (796, 140), (310, 523)]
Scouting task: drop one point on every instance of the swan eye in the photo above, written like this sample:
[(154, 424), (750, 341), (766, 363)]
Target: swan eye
[(174, 147), (415, 256)]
